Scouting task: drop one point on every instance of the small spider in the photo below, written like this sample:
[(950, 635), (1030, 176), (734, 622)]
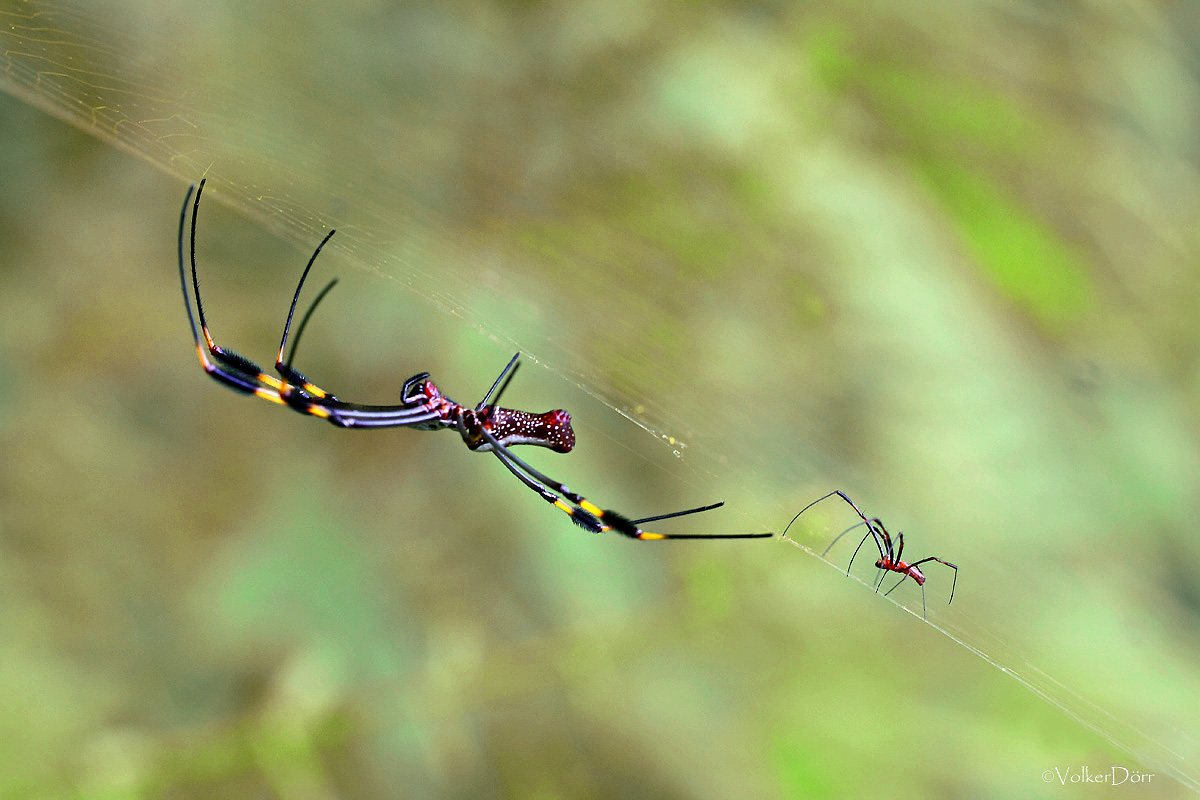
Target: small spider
[(889, 553), (487, 427)]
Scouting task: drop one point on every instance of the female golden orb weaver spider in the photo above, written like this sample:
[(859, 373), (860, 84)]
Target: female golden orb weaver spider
[(488, 427), (889, 552)]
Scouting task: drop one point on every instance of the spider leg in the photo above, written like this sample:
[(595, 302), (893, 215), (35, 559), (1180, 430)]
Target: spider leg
[(882, 540), (307, 316), (918, 563), (948, 564), (840, 494), (878, 582), (250, 374), (506, 375), (696, 510), (902, 579), (589, 516), (627, 527), (586, 518), (230, 368), (889, 591), (290, 374), (583, 518), (840, 535), (858, 548), (411, 411), (541, 489), (243, 375), (884, 544)]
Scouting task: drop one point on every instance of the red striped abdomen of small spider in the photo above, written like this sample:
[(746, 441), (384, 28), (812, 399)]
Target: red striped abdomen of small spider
[(904, 567)]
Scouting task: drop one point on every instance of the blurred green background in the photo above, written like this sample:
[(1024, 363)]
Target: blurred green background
[(943, 258)]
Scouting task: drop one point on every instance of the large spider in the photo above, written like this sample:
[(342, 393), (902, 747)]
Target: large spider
[(487, 427)]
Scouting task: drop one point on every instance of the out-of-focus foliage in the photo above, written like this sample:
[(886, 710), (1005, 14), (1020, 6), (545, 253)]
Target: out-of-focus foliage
[(945, 259)]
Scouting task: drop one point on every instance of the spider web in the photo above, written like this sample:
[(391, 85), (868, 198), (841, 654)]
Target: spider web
[(839, 323)]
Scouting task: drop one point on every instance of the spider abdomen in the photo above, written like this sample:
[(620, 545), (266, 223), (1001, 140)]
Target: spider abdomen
[(551, 429)]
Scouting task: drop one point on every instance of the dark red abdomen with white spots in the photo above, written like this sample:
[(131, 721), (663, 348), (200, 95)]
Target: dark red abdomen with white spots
[(551, 429), (511, 427)]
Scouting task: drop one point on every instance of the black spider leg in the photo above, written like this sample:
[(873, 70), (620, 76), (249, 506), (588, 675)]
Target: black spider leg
[(587, 515), (410, 412), (896, 559), (492, 398), (383, 414), (677, 513), (870, 532), (889, 591), (882, 541), (840, 494), (897, 554), (893, 552), (307, 316), (229, 358), (349, 414), (285, 368), (953, 582), (902, 579), (241, 374), (234, 370), (457, 418), (837, 538)]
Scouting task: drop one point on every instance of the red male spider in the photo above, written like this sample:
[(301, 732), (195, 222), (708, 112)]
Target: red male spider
[(487, 427), (889, 556)]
